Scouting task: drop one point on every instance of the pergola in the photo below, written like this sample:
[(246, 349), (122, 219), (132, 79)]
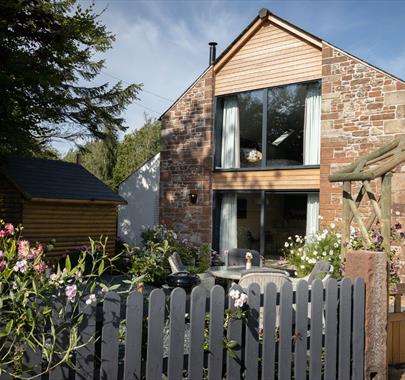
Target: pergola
[(377, 164)]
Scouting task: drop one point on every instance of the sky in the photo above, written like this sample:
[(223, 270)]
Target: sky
[(164, 44)]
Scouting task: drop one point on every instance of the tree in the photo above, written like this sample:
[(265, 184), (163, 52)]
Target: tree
[(47, 63), (137, 148), (112, 161)]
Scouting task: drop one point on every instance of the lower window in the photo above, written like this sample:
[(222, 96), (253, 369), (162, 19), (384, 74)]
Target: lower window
[(261, 220)]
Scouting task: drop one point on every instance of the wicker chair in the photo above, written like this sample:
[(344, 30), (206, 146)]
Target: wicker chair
[(237, 256), (262, 278)]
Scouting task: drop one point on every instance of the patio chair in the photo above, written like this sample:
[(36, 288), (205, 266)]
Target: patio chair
[(262, 278), (176, 265), (321, 271), (237, 256)]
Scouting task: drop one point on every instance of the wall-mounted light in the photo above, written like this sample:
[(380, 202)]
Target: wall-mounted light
[(193, 197)]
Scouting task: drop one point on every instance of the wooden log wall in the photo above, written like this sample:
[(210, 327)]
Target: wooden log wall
[(10, 202), (70, 224)]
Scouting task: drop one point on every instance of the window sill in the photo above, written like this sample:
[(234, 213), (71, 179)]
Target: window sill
[(270, 168)]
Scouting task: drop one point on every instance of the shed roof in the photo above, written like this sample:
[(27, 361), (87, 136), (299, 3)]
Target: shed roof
[(41, 179)]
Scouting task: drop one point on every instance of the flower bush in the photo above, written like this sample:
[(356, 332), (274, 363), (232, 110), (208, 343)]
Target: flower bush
[(39, 304), (158, 243), (304, 252)]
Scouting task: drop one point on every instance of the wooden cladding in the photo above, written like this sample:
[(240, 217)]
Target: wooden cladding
[(10, 202), (290, 179), (272, 56), (70, 225)]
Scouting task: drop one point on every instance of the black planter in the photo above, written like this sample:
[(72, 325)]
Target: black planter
[(185, 280)]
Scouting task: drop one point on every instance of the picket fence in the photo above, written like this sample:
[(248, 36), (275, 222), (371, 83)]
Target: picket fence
[(315, 333)]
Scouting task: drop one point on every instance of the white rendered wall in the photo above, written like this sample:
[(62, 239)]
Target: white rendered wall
[(141, 191)]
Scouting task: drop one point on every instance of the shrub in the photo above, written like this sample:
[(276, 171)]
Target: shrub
[(32, 295), (303, 252)]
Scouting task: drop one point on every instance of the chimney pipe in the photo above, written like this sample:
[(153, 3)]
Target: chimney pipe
[(213, 52)]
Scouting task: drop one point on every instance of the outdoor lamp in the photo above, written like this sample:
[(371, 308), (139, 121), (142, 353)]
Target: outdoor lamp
[(193, 197)]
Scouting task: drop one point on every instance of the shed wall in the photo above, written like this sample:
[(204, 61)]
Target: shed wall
[(10, 202), (70, 224)]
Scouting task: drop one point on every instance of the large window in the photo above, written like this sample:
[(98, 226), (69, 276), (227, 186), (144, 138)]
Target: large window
[(269, 128), (262, 220)]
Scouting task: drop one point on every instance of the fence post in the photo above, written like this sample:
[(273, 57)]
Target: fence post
[(372, 267)]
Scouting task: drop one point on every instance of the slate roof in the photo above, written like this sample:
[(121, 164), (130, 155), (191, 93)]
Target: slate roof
[(53, 179)]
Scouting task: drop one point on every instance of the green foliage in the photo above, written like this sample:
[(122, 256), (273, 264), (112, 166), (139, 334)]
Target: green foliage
[(112, 161), (49, 56), (137, 148), (151, 260), (303, 252), (32, 296)]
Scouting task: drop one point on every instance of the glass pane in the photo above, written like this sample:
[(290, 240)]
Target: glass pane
[(250, 118), (249, 205), (285, 128), (285, 216)]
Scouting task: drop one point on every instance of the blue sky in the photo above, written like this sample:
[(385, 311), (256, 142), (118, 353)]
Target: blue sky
[(164, 44)]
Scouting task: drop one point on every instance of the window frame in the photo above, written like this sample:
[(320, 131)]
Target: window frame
[(218, 113), (216, 212)]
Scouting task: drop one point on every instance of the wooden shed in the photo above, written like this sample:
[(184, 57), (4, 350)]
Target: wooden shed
[(57, 200)]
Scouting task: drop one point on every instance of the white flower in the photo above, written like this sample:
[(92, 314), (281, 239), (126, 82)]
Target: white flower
[(238, 303), (249, 255), (286, 245), (324, 253), (336, 245), (315, 253), (338, 235), (243, 297), (234, 294), (331, 252), (2, 254), (92, 298), (289, 238), (299, 249), (70, 292), (332, 225), (397, 213), (20, 266), (302, 266), (320, 217)]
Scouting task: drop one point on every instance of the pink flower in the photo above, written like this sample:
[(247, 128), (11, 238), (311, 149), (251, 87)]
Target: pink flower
[(92, 298), (70, 292), (3, 265), (2, 253), (20, 266), (35, 252), (3, 233), (9, 228), (40, 267), (23, 249)]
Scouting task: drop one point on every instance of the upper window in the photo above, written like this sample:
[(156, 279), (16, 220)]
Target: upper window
[(274, 127)]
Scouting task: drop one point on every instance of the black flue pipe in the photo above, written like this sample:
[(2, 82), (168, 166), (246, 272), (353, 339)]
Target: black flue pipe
[(213, 52)]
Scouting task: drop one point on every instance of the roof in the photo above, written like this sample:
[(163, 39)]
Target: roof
[(265, 14), (41, 179)]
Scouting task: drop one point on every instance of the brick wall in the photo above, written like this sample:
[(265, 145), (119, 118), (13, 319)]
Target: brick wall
[(186, 162), (362, 109)]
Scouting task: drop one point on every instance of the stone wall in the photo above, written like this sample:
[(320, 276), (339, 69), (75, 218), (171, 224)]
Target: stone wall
[(186, 162), (362, 109)]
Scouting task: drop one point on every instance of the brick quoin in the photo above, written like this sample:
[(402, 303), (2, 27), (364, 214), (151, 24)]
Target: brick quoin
[(186, 162), (362, 110)]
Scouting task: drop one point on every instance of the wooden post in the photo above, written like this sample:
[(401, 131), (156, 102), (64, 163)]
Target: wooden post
[(346, 215), (386, 212)]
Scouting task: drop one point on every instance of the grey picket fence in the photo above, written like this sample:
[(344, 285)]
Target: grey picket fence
[(315, 333)]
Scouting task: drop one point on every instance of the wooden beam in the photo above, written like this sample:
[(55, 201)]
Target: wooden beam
[(373, 199), (347, 189), (359, 176), (386, 212), (362, 227), (359, 198)]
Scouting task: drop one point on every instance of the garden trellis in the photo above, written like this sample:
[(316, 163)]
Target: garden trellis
[(377, 164)]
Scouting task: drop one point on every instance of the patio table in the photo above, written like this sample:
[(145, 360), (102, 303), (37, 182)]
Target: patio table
[(234, 273)]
